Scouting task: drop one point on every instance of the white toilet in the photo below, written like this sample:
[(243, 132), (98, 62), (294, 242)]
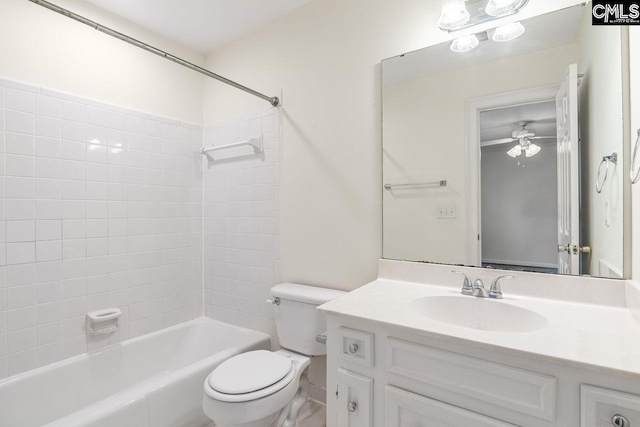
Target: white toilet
[(263, 388)]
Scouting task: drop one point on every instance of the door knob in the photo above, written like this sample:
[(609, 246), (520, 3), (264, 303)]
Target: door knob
[(352, 406), (620, 421)]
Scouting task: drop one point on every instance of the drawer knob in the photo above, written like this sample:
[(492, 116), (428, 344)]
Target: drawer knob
[(352, 406), (353, 349), (620, 421)]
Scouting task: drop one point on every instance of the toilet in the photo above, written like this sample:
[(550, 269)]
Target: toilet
[(267, 389)]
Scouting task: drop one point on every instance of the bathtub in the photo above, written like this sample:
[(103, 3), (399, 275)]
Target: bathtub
[(151, 381)]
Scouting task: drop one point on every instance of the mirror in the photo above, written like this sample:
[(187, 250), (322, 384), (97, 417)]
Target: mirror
[(510, 155)]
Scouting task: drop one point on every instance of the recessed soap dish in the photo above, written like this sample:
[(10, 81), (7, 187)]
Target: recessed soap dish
[(103, 322)]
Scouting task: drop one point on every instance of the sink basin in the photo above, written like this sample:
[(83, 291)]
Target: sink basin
[(478, 313)]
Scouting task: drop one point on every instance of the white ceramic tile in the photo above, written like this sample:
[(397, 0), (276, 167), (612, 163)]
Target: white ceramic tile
[(18, 143), (47, 147), (74, 229), (73, 150), (48, 106), (19, 188), (21, 253), (46, 209), (48, 127), (21, 318), (74, 131), (48, 250), (47, 188), (20, 209), (73, 111), (48, 168), (19, 100), (19, 165), (21, 296), (20, 231), (48, 230), (48, 292)]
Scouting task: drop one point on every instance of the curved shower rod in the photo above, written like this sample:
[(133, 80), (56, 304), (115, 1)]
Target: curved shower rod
[(273, 100)]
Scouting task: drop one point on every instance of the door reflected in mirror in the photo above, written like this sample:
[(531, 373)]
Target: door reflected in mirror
[(510, 155)]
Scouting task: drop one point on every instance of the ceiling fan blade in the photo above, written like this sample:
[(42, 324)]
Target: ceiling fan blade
[(542, 137), (496, 142)]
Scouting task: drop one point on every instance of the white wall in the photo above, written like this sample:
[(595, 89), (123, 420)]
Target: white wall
[(411, 225), (602, 133), (40, 46), (520, 207), (326, 59)]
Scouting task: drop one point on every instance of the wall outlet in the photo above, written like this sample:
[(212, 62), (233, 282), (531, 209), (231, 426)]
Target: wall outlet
[(447, 212)]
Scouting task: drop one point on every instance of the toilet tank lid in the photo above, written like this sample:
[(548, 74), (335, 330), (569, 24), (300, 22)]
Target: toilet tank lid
[(304, 293)]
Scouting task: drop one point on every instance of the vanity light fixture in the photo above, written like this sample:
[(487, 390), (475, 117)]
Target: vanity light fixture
[(454, 15), (508, 32), (465, 44), (497, 8)]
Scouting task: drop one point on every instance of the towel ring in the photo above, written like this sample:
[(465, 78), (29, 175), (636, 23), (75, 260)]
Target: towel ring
[(635, 170), (613, 158)]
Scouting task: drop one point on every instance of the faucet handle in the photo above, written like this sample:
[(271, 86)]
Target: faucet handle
[(496, 290), (467, 289)]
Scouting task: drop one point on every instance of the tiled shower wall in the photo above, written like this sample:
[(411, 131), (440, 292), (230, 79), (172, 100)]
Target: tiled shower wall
[(99, 207), (242, 222)]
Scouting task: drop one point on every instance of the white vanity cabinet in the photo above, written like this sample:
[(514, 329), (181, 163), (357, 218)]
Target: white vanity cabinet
[(386, 376)]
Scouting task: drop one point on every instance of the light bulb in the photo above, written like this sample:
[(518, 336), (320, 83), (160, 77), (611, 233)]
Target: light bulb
[(502, 7), (508, 32), (454, 15), (465, 44), (515, 151), (532, 150)]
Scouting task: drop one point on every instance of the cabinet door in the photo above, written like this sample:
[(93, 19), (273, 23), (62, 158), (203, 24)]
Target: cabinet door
[(599, 406), (405, 409), (355, 399)]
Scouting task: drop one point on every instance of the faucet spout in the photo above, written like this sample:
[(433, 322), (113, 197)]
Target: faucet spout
[(479, 289)]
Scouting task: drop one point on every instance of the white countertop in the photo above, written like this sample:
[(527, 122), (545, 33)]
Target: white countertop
[(586, 335)]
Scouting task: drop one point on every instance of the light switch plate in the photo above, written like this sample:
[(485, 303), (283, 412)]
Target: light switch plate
[(447, 212)]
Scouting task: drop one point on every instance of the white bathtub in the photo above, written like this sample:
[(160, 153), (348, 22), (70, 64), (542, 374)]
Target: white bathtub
[(151, 381)]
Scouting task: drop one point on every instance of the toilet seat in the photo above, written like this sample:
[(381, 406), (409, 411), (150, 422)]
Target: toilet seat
[(250, 376)]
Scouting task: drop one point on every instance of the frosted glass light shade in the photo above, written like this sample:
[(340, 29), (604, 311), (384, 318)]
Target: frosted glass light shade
[(502, 7), (454, 15), (465, 44), (532, 150), (515, 151), (508, 32)]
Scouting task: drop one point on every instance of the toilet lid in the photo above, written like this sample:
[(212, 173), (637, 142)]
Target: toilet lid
[(249, 372)]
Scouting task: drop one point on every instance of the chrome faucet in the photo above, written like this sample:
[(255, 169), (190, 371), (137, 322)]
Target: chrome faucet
[(466, 285), (479, 289), (496, 290)]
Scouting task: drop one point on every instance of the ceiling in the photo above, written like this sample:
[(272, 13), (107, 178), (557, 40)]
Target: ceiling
[(202, 25), (499, 123)]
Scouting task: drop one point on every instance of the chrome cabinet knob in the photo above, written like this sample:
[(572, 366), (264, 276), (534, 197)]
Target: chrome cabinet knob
[(620, 421), (353, 348), (352, 406)]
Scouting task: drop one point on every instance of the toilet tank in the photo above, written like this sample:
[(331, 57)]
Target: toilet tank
[(297, 319)]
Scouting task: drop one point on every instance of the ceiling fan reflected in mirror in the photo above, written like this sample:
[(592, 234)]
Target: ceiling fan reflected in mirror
[(524, 138)]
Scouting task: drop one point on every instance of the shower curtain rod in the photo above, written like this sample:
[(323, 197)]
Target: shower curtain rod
[(273, 100)]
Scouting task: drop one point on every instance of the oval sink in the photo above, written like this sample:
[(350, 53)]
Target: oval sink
[(478, 313)]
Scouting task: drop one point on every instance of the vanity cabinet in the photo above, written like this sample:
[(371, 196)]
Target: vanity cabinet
[(398, 378)]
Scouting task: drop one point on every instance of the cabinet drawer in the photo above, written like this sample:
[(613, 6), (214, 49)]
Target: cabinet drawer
[(355, 400), (405, 409), (498, 385), (598, 406), (356, 346)]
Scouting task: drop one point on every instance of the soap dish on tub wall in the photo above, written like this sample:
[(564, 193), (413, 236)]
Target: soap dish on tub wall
[(103, 322)]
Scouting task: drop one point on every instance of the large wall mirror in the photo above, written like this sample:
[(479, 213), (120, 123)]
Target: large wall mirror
[(511, 155)]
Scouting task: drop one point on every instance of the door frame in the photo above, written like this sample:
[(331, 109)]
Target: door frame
[(473, 108)]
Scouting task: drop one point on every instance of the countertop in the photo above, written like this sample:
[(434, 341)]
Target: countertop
[(584, 335)]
